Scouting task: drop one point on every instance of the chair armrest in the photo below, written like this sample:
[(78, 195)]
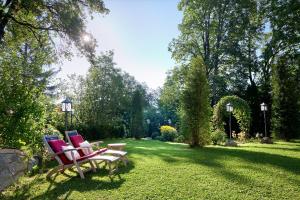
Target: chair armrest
[(79, 148), (96, 143)]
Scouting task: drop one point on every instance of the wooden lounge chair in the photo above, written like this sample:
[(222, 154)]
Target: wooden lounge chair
[(75, 139), (54, 146)]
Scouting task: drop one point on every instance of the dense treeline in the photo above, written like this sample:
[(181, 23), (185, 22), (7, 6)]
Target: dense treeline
[(105, 100), (250, 49)]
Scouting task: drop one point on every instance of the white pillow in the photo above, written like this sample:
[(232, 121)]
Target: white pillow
[(69, 154), (86, 147)]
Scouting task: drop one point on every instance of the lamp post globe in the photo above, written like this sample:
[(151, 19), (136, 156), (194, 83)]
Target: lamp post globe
[(229, 107), (263, 107)]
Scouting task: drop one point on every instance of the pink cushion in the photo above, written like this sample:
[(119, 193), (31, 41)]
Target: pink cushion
[(56, 146), (76, 140)]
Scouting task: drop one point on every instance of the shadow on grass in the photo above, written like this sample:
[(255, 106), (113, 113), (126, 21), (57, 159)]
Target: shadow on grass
[(294, 149), (216, 157), (210, 156), (62, 189)]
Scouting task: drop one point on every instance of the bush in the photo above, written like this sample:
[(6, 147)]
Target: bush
[(168, 133), (218, 137), (154, 135), (160, 138), (242, 136), (179, 139)]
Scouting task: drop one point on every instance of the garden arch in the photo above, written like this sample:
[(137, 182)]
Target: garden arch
[(241, 111)]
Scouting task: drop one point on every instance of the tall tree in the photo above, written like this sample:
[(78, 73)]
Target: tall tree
[(104, 107), (137, 120), (102, 103), (285, 93), (169, 100), (195, 105), (24, 76), (207, 30)]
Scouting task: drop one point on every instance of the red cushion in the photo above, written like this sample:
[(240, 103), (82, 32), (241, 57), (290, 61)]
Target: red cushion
[(76, 140), (56, 146)]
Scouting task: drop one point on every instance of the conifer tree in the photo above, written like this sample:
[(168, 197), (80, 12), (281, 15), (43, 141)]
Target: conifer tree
[(137, 128), (286, 98), (195, 106)]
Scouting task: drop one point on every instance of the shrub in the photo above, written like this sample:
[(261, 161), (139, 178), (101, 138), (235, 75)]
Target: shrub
[(179, 139), (234, 135), (242, 136), (161, 138), (218, 137), (154, 135), (168, 133)]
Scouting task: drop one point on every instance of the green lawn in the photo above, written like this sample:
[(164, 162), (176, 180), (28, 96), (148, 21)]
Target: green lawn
[(160, 170)]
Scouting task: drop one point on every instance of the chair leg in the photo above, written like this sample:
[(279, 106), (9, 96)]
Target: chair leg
[(97, 165), (125, 160), (79, 171), (92, 166), (53, 171), (110, 168)]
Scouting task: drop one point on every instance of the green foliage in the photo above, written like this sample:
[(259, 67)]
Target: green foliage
[(52, 19), (137, 120), (242, 136), (218, 137), (23, 80), (195, 108), (286, 98), (103, 100), (179, 139), (239, 42), (160, 138), (225, 35), (169, 133), (28, 30), (241, 111), (169, 100), (154, 135)]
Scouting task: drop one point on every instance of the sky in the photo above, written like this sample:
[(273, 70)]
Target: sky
[(139, 32)]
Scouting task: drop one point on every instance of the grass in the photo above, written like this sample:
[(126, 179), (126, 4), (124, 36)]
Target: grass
[(160, 170)]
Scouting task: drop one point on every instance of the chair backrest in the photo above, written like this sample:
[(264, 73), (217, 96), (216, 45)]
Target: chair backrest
[(61, 159), (70, 133), (74, 138)]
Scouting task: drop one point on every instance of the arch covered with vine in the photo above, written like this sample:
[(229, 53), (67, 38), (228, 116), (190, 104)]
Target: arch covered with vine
[(241, 111)]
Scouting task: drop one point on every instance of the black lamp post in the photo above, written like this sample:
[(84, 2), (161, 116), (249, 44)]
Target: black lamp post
[(72, 114), (66, 107), (264, 108), (148, 123), (229, 108)]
